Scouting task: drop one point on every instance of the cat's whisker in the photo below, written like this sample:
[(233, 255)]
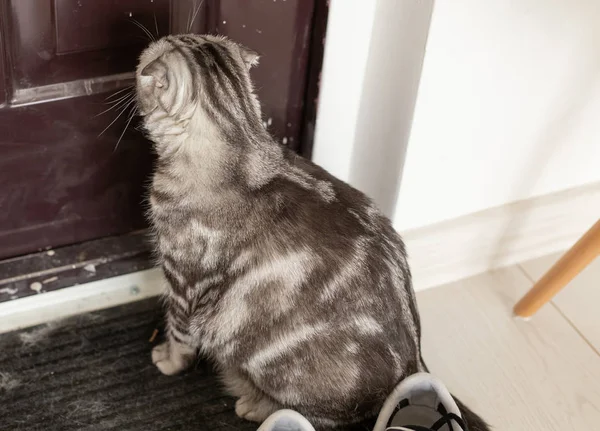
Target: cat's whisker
[(119, 91), (125, 96), (131, 115), (156, 25), (191, 23), (118, 116), (187, 21), (124, 92), (145, 36), (106, 110), (144, 29), (119, 104)]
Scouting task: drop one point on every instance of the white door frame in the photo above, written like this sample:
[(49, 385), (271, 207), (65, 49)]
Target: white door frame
[(371, 69)]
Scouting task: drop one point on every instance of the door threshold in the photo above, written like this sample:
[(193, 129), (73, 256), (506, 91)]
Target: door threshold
[(51, 270), (84, 298)]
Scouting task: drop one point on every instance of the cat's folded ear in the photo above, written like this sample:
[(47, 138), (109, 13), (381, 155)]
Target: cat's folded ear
[(157, 70), (249, 56)]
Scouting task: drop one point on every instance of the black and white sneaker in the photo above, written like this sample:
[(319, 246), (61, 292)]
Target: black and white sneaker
[(420, 402)]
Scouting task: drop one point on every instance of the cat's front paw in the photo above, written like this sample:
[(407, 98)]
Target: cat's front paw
[(168, 359)]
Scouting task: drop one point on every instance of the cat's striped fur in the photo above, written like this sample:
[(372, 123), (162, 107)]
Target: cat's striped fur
[(289, 279)]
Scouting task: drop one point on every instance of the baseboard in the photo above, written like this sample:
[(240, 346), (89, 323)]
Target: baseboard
[(501, 236)]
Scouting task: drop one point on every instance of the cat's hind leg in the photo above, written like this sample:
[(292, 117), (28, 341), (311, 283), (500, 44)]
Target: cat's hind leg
[(253, 404), (180, 349), (255, 408)]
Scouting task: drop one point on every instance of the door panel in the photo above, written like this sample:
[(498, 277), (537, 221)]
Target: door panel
[(82, 26), (60, 183), (282, 38), (61, 180), (72, 40)]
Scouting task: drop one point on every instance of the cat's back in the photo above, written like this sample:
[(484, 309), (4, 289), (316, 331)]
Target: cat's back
[(324, 211)]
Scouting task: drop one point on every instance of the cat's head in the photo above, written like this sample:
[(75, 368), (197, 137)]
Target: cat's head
[(183, 76)]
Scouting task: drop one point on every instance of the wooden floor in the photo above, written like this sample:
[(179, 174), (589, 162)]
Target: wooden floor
[(541, 374)]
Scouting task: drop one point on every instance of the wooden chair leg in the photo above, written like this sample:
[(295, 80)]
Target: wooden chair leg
[(563, 271)]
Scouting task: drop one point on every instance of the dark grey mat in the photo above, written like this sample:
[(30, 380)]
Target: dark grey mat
[(93, 372)]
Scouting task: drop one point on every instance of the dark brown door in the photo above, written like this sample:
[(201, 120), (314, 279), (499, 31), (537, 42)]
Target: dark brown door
[(61, 182)]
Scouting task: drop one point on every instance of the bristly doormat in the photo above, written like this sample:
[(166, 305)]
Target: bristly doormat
[(93, 372)]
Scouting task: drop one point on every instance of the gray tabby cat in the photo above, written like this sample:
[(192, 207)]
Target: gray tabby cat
[(290, 280)]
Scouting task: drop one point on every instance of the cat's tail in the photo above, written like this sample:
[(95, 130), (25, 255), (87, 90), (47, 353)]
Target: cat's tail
[(473, 421)]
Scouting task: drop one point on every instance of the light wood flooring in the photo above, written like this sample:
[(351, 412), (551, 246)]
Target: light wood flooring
[(541, 374)]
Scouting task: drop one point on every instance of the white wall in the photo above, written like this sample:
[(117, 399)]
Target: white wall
[(508, 107)]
